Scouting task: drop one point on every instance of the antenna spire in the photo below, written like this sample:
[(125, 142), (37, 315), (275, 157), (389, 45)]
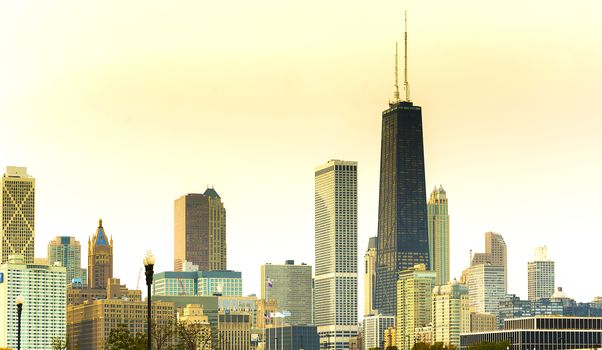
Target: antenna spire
[(406, 85), (396, 91)]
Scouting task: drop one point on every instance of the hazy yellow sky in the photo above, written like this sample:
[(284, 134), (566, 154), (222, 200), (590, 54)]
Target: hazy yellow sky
[(118, 108)]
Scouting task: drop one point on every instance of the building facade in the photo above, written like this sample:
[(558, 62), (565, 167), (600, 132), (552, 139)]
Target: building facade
[(370, 277), (451, 313), (100, 259), (336, 253), (67, 251), (45, 301), (374, 330), (290, 286), (193, 316), (234, 329), (200, 231), (496, 253), (482, 322), (485, 287), (203, 283), (438, 229), (287, 337), (17, 209), (541, 275), (414, 304)]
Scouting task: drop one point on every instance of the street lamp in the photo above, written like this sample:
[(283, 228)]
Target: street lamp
[(149, 262), (19, 311)]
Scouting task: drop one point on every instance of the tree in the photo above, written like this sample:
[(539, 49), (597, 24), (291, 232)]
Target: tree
[(193, 335), (59, 343), (121, 339)]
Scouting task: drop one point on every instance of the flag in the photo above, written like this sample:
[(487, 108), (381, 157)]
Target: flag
[(270, 285), (286, 313)]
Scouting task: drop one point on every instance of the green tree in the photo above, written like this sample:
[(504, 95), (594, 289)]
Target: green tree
[(59, 343), (121, 339)]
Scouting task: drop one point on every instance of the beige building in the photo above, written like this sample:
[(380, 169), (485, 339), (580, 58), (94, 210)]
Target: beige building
[(234, 328), (424, 334), (389, 337), (17, 214), (89, 324), (451, 313), (414, 303), (370, 277), (482, 322), (77, 293), (193, 316), (495, 254), (100, 259), (541, 278), (485, 287), (438, 230)]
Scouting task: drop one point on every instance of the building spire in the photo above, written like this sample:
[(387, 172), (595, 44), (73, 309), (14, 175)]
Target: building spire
[(406, 85), (396, 91)]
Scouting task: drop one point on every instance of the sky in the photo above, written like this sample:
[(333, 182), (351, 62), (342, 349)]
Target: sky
[(118, 108)]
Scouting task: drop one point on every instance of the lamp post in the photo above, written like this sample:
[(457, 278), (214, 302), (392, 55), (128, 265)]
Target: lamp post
[(149, 262), (19, 311)]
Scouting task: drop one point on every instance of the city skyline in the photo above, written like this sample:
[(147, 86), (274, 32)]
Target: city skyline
[(530, 151)]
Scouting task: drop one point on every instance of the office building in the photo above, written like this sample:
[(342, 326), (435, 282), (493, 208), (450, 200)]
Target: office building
[(100, 259), (541, 275), (495, 254), (390, 337), (17, 209), (451, 313), (485, 287), (193, 316), (89, 324), (200, 231), (288, 337), (234, 329), (44, 303), (336, 253), (67, 251), (78, 293), (374, 330), (370, 277), (414, 303), (542, 332), (513, 307), (482, 322), (203, 283), (290, 286), (438, 229), (247, 304)]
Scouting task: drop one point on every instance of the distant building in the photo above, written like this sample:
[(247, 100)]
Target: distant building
[(89, 324), (541, 275), (206, 283), (486, 287), (17, 215), (234, 329), (451, 313), (288, 337), (496, 254), (43, 290), (374, 330), (513, 307), (424, 334), (78, 293), (370, 277), (67, 251), (438, 229), (193, 316), (290, 286), (482, 322), (241, 303), (543, 332), (200, 231), (414, 303), (390, 337), (100, 259), (336, 253)]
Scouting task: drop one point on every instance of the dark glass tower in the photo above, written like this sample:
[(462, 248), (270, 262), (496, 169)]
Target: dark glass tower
[(402, 210)]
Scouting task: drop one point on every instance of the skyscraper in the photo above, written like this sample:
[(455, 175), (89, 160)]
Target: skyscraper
[(414, 301), (100, 259), (451, 313), (200, 231), (495, 254), (402, 213), (67, 251), (485, 287), (336, 253), (17, 209), (438, 229), (370, 277), (541, 275), (290, 286)]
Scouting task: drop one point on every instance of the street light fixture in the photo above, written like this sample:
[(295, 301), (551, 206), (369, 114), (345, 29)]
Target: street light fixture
[(149, 262), (19, 311)]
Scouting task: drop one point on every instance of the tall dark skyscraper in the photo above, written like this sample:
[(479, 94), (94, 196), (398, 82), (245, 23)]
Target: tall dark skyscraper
[(402, 210)]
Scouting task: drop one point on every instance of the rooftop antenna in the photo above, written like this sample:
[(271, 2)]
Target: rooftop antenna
[(396, 91), (406, 85)]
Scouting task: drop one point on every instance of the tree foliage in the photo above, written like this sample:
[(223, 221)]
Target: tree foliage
[(490, 346), (435, 346), (120, 338)]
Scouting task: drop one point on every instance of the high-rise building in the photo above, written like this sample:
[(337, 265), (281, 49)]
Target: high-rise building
[(290, 286), (193, 316), (336, 253), (370, 277), (482, 322), (17, 209), (200, 231), (541, 275), (495, 254), (100, 259), (43, 290), (438, 229), (203, 283), (485, 287), (287, 337), (414, 303), (374, 330), (234, 329), (451, 313), (67, 251), (402, 211)]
